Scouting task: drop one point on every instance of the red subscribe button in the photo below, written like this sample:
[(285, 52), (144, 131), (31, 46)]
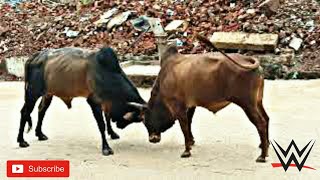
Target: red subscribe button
[(35, 168)]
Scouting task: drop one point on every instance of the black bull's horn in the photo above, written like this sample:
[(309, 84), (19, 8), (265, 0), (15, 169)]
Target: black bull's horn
[(139, 106)]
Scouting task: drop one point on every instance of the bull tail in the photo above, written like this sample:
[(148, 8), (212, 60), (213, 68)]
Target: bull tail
[(27, 70), (254, 62)]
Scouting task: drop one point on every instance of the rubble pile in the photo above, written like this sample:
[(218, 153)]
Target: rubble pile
[(31, 26)]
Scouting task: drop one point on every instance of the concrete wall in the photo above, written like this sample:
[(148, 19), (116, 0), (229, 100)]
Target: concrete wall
[(15, 65)]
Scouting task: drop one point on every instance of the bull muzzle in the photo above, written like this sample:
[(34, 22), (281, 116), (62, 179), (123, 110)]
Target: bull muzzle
[(154, 138)]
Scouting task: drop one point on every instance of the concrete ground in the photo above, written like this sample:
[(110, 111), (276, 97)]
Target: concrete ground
[(226, 143), (142, 70)]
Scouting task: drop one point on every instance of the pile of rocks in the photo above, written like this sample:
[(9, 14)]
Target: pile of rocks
[(31, 26)]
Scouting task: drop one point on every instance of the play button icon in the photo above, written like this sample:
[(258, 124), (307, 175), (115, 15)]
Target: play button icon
[(17, 168)]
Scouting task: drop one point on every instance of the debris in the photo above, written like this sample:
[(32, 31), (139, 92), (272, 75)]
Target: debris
[(170, 12), (15, 65), (277, 51), (70, 33), (105, 18), (179, 42), (13, 2), (118, 19), (251, 11), (141, 23), (247, 41), (175, 24), (313, 42), (31, 22), (156, 26), (295, 43), (109, 13), (3, 30), (86, 2), (156, 6), (3, 47), (310, 23), (270, 6)]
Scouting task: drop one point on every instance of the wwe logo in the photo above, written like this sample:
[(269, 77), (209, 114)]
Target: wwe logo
[(292, 153)]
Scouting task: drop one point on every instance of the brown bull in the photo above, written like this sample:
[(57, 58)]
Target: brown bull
[(210, 80)]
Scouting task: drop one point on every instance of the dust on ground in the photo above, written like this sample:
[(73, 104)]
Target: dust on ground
[(226, 143)]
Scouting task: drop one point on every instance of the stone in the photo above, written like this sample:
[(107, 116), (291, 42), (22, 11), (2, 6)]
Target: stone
[(310, 23), (295, 43), (247, 41), (269, 6), (15, 65), (118, 19), (3, 30), (313, 42), (105, 17), (176, 25), (251, 11), (247, 26), (242, 17), (282, 34), (286, 59)]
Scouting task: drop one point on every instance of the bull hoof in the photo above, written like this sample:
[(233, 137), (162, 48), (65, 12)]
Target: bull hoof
[(42, 137), (192, 143), (261, 159), (114, 136), (186, 154), (107, 152), (23, 144)]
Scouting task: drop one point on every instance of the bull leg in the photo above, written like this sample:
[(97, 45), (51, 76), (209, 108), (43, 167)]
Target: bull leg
[(182, 115), (261, 109), (25, 117), (43, 106), (190, 114), (184, 124), (266, 117), (183, 120), (112, 134), (97, 113), (253, 114)]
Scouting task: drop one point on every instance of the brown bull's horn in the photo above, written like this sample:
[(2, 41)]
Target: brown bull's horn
[(138, 105)]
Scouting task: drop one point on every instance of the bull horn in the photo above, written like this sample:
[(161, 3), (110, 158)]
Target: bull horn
[(138, 105)]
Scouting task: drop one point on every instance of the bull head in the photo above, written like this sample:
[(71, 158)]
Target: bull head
[(156, 118)]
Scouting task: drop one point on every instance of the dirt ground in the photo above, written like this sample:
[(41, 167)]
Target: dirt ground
[(226, 143)]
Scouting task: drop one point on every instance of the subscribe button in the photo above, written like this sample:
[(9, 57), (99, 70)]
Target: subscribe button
[(35, 168)]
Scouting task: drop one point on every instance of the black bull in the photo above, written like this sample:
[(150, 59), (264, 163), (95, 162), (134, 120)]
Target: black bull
[(75, 72)]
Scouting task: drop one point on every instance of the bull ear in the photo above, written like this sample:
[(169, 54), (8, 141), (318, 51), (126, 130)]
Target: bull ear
[(141, 107)]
